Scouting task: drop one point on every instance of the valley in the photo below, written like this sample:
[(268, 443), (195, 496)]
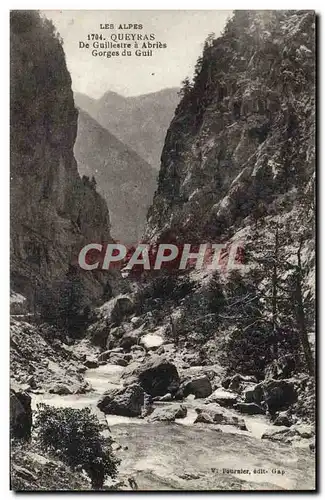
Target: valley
[(188, 378)]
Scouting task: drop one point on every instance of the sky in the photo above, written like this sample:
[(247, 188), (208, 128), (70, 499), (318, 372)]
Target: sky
[(184, 33)]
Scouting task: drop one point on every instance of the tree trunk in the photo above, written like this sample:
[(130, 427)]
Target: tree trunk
[(300, 318), (275, 294)]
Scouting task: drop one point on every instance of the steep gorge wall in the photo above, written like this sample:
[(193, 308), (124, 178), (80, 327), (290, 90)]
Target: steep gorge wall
[(53, 211)]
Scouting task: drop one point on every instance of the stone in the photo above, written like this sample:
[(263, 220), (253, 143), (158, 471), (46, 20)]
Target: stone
[(20, 414), (18, 304), (99, 333), (254, 394), (281, 368), (204, 418), (151, 341), (32, 382), (249, 408), (131, 338), (136, 321), (160, 350), (279, 394), (116, 309), (223, 398), (116, 333), (283, 419), (24, 473), (305, 431), (106, 354), (91, 363), (289, 434), (213, 413), (157, 376), (118, 360), (238, 382), (283, 434), (199, 386), (137, 348), (165, 397), (168, 413), (125, 401)]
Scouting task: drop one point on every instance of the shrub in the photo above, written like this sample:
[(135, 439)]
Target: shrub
[(74, 435), (64, 304), (248, 352), (171, 287), (215, 295)]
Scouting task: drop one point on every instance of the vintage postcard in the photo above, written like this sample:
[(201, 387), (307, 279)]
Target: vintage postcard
[(162, 291)]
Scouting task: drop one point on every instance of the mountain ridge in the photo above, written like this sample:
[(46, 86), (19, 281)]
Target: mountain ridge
[(140, 122), (123, 178)]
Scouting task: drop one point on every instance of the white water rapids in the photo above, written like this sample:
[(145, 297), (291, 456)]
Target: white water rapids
[(180, 455)]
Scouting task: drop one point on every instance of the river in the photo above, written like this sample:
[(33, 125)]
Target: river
[(182, 455)]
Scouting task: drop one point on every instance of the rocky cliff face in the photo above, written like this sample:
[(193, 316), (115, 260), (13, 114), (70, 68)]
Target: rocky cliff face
[(238, 165), (125, 180), (53, 211), (242, 140)]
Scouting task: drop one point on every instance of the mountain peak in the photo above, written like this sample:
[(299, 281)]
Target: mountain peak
[(140, 122)]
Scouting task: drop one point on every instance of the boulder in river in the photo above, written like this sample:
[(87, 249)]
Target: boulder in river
[(283, 419), (214, 414), (136, 321), (285, 434), (279, 394), (91, 362), (168, 413), (278, 434), (20, 414), (204, 418), (157, 376), (200, 386), (249, 408), (61, 389), (223, 398), (125, 401)]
